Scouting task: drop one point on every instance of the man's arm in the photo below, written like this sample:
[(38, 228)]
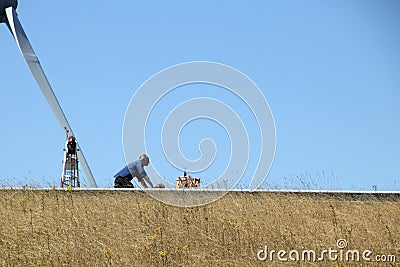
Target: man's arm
[(142, 175), (148, 180), (141, 180)]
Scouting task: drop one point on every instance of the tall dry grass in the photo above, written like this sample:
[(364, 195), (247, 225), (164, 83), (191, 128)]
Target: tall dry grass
[(128, 228)]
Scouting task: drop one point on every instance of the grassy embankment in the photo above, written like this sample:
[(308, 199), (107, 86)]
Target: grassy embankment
[(100, 228)]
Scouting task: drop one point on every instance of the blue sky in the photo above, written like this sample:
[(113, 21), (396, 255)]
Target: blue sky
[(329, 70)]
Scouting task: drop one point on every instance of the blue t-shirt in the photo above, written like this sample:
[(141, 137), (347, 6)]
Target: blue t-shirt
[(133, 169)]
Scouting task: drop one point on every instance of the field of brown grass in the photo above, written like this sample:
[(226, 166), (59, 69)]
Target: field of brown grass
[(129, 228)]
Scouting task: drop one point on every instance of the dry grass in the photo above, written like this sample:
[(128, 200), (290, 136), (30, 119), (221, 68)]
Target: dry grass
[(128, 228)]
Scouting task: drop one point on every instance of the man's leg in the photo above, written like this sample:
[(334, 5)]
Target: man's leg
[(122, 182), (118, 182), (128, 184)]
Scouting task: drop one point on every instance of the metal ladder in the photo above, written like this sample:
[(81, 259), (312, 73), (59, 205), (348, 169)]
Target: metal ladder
[(70, 172)]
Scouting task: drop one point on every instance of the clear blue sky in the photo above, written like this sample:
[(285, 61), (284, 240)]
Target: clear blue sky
[(330, 71)]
